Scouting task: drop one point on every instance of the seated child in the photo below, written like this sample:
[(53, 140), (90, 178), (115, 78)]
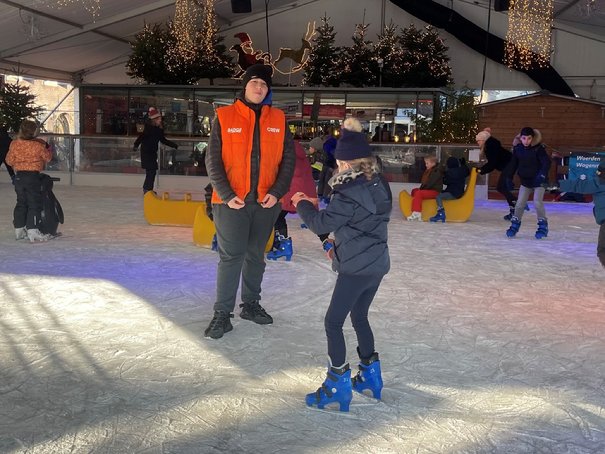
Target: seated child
[(454, 178), (431, 185), (596, 187)]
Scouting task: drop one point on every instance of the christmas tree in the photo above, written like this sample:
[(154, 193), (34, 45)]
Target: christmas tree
[(180, 53), (388, 50), (324, 66), (425, 61), (17, 104), (455, 122), (148, 59), (361, 68)]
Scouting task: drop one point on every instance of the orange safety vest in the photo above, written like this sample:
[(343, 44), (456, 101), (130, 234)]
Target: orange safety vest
[(237, 132)]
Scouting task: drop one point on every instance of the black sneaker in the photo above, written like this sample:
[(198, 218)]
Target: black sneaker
[(254, 312), (219, 325)]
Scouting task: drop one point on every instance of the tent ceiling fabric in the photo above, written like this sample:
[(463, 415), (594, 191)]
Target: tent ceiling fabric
[(69, 44)]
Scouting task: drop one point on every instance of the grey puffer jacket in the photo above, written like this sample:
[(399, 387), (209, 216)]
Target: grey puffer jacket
[(358, 214)]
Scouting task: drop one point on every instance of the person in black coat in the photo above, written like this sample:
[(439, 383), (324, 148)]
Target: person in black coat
[(531, 162), (358, 214), (498, 158), (149, 140), (454, 177), (5, 142)]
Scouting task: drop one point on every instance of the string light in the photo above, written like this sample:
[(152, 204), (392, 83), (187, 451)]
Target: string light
[(186, 14), (92, 6), (529, 33)]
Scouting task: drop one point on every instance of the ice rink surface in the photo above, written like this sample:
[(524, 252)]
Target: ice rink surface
[(487, 344)]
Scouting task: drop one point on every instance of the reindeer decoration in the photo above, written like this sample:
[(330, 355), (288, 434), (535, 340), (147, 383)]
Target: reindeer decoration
[(299, 56)]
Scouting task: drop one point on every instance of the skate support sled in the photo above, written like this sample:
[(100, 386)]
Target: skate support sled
[(204, 230), (458, 210), (163, 210)]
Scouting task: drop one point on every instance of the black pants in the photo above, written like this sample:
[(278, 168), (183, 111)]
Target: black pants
[(29, 200), (504, 187), (354, 295), (149, 179)]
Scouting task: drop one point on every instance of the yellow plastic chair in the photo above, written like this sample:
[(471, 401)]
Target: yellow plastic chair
[(458, 210), (166, 211)]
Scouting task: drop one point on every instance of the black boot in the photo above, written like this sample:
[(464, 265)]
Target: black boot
[(219, 325), (255, 313)]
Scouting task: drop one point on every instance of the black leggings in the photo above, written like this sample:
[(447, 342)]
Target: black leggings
[(352, 294), (504, 187)]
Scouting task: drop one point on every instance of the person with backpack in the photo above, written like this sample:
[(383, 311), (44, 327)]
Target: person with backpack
[(28, 156)]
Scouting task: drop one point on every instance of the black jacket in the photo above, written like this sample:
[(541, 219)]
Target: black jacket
[(454, 177), (497, 156), (531, 164), (149, 139), (358, 214)]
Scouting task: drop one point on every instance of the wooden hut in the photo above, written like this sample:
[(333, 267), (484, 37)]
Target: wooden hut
[(567, 124)]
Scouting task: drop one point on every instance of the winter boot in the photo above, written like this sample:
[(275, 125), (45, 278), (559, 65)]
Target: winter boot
[(35, 235), (219, 325), (515, 224), (369, 376), (284, 249), (542, 231), (255, 313), (214, 245), (440, 216), (21, 233), (336, 388), (415, 216)]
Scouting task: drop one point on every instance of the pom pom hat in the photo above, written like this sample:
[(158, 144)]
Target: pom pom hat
[(483, 135), (352, 145), (153, 113)]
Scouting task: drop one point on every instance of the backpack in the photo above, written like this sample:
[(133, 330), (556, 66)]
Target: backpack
[(52, 213)]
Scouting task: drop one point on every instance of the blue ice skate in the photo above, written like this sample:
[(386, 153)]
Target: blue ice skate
[(283, 249), (335, 389), (369, 376), (515, 225), (440, 216), (542, 231)]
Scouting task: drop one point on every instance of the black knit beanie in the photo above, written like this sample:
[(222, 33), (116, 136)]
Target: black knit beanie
[(352, 145), (258, 71)]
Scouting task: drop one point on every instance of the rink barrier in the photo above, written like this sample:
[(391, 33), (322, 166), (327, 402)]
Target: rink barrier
[(204, 230), (458, 210), (164, 210)]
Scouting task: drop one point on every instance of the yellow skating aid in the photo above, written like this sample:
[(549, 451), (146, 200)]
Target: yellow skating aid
[(458, 210), (163, 210)]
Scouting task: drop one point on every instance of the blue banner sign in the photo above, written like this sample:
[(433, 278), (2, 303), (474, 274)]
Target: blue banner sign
[(584, 165)]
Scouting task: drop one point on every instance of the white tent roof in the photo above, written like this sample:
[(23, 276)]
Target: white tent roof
[(68, 43)]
